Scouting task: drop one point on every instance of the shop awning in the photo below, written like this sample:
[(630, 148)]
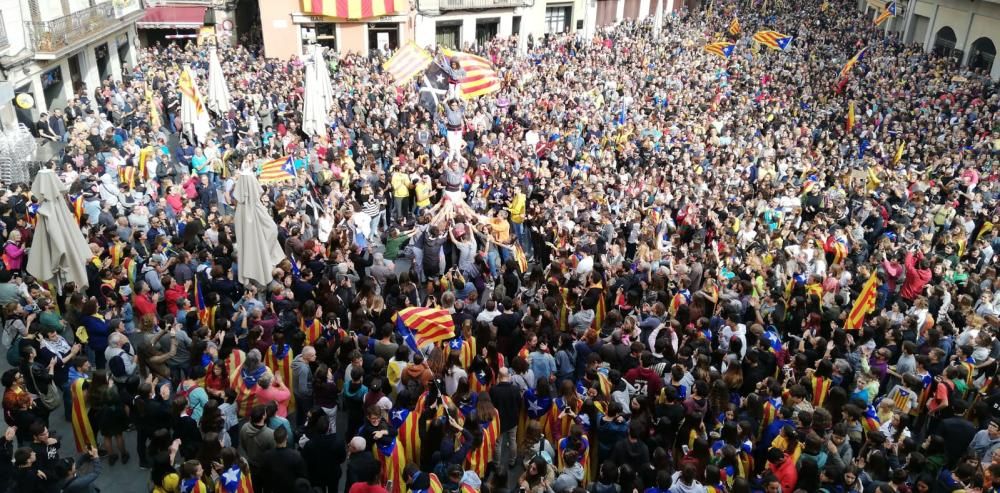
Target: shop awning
[(172, 18)]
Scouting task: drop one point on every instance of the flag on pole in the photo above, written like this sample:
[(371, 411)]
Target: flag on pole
[(850, 116), (206, 314), (350, 9), (78, 208), (846, 71), (773, 39), (434, 88), (863, 305), (406, 63), (480, 76), (422, 325), (889, 11), (276, 170), (723, 48), (734, 27)]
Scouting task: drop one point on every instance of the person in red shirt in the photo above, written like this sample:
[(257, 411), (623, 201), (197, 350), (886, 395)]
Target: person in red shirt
[(645, 380), (172, 291), (918, 274), (783, 468), (144, 303)]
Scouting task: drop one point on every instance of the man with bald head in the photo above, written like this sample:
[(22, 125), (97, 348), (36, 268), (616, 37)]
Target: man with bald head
[(302, 385), (507, 399)]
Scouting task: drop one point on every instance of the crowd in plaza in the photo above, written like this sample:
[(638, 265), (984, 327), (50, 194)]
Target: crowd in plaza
[(651, 256)]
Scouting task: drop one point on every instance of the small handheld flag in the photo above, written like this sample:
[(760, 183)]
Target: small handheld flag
[(276, 170), (889, 11), (734, 27), (723, 49), (773, 39), (899, 153)]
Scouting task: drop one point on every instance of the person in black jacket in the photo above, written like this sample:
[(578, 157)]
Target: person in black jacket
[(361, 464), (507, 399), (7, 457), (281, 466), (324, 453), (150, 411)]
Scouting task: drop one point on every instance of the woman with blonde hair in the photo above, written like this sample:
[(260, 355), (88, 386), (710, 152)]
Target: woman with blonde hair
[(14, 253)]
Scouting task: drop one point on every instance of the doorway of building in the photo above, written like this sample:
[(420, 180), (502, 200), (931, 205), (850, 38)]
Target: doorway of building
[(486, 29), (982, 54), (103, 61), (382, 36), (448, 34)]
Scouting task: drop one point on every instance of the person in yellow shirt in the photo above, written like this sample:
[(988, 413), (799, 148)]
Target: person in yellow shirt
[(400, 183), (422, 191), (516, 208)]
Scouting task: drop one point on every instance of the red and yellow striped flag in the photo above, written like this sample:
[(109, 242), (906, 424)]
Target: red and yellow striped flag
[(863, 305), (83, 434), (723, 48), (483, 455), (846, 70), (276, 170), (427, 325), (349, 9), (279, 360), (773, 39), (312, 331), (734, 27), (850, 116), (889, 11), (407, 62), (408, 437), (393, 461), (480, 76)]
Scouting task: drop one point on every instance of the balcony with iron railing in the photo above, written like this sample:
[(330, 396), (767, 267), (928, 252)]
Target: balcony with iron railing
[(69, 30), (479, 4), (4, 42)]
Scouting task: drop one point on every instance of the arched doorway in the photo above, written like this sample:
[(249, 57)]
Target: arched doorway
[(982, 53), (944, 42)]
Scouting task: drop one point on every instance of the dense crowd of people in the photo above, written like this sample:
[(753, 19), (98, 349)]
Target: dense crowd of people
[(649, 255)]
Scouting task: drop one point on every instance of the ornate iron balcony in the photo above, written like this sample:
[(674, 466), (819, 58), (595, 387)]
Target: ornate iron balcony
[(69, 30), (478, 4)]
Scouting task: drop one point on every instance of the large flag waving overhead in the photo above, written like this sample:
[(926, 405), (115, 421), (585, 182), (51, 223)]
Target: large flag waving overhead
[(280, 169), (863, 305), (889, 11), (480, 76), (434, 88), (846, 71), (350, 9), (421, 325), (194, 114), (734, 27), (406, 63), (723, 48), (773, 39)]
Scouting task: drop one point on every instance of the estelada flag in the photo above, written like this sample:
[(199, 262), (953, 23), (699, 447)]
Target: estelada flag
[(723, 48), (406, 63), (234, 480), (889, 11), (420, 325), (863, 305), (846, 71), (483, 455), (279, 360), (349, 9), (773, 39), (480, 76), (280, 169)]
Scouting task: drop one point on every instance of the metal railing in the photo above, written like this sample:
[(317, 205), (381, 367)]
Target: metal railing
[(4, 42), (68, 30), (478, 4)]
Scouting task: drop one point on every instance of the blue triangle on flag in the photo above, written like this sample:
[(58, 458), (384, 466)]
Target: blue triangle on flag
[(728, 50), (288, 167), (784, 42)]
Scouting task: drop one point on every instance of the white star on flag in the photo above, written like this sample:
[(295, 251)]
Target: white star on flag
[(397, 415), (534, 407), (231, 476)]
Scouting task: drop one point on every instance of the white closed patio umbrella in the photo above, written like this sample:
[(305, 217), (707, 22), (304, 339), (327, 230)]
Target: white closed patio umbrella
[(59, 252), (218, 91), (257, 247), (318, 97)]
